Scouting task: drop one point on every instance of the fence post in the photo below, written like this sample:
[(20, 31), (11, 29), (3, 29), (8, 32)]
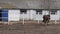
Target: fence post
[(23, 18), (55, 21), (38, 17)]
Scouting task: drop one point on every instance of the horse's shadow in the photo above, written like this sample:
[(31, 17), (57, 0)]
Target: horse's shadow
[(43, 24)]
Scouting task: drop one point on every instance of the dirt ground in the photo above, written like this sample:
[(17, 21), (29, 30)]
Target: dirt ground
[(30, 29)]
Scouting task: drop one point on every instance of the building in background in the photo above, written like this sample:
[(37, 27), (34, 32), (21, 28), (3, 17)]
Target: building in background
[(29, 9), (27, 14)]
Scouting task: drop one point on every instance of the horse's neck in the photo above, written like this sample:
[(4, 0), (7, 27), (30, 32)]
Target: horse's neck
[(45, 16)]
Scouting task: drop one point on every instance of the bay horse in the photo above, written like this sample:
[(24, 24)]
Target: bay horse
[(46, 19)]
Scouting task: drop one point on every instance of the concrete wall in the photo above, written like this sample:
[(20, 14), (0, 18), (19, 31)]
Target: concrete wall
[(35, 4), (13, 15), (55, 17), (25, 16), (33, 16)]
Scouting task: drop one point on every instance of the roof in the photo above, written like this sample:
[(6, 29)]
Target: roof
[(6, 5)]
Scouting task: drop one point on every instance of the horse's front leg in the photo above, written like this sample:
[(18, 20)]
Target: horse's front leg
[(45, 23)]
